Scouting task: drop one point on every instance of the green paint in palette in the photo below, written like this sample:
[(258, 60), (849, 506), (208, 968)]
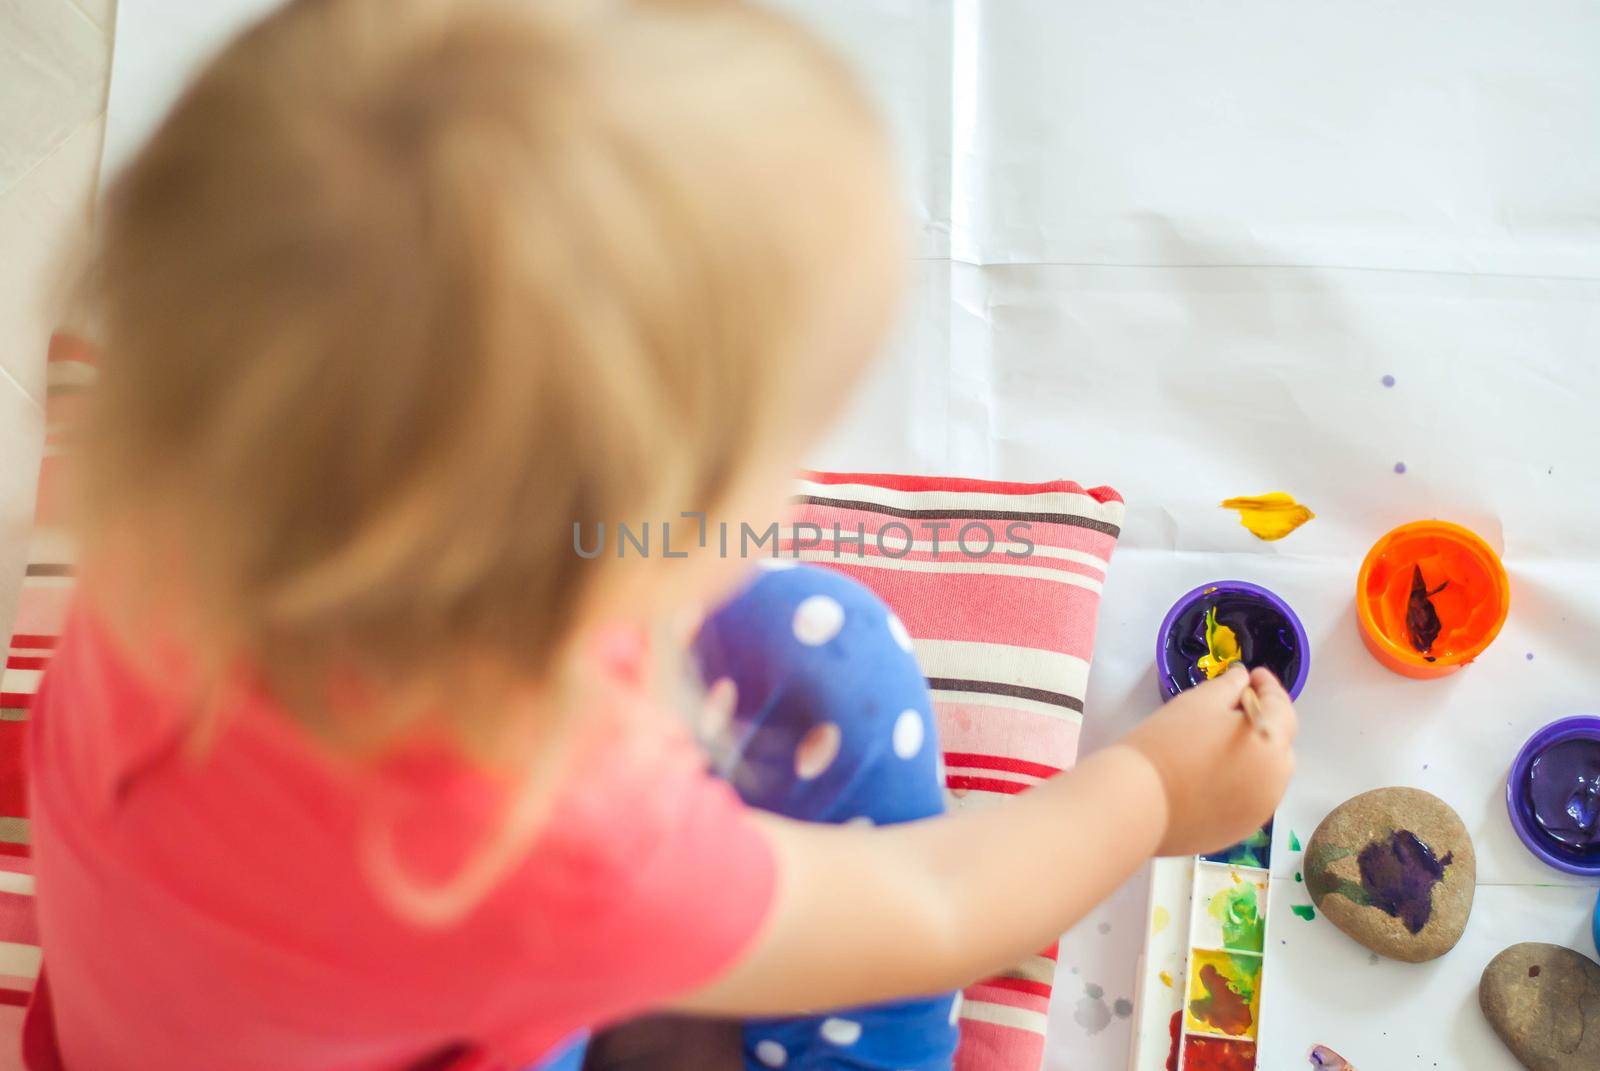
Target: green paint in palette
[(1238, 911)]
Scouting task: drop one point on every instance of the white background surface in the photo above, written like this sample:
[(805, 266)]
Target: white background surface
[(54, 55), (1174, 246)]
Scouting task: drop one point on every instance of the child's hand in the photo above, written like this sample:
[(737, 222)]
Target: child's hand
[(931, 905), (1223, 776)]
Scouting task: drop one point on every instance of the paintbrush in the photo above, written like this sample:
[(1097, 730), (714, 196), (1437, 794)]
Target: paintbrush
[(1252, 711)]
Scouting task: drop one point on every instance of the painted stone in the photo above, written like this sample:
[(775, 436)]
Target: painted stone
[(1544, 1002), (1394, 869)]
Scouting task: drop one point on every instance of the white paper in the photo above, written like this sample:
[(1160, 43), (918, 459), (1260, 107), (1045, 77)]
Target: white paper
[(1174, 247)]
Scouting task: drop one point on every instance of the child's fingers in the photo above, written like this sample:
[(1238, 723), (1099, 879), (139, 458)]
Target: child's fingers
[(1263, 679), (1276, 707), (1221, 692)]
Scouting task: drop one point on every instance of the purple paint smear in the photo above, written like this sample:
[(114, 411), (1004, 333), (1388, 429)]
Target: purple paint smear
[(1388, 381), (1398, 876)]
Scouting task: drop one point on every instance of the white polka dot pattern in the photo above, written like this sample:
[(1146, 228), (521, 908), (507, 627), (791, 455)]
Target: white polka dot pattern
[(840, 1031), (817, 620), (908, 734), (771, 1054)]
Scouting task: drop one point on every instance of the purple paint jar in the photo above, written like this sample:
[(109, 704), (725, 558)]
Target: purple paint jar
[(1553, 794), (1269, 634)]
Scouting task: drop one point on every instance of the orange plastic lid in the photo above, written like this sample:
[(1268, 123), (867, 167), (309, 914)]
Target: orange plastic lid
[(1430, 598)]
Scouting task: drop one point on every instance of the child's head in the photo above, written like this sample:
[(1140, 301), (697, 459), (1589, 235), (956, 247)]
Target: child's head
[(402, 289)]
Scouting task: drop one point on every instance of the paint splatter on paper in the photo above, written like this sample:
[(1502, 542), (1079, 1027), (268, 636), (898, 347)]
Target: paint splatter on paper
[(1270, 516), (1304, 911), (1294, 841), (1091, 1012), (1166, 979)]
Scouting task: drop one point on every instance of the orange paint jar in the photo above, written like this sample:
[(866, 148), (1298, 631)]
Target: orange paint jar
[(1462, 582)]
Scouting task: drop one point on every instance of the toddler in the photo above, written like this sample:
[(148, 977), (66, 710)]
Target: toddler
[(349, 757)]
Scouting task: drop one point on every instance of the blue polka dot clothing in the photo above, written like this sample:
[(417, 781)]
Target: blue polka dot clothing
[(830, 721)]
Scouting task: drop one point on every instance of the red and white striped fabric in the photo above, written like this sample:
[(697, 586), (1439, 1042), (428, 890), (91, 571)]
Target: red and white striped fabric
[(999, 585), (41, 612)]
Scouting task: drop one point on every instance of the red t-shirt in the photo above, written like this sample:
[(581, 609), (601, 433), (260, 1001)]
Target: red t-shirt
[(222, 912)]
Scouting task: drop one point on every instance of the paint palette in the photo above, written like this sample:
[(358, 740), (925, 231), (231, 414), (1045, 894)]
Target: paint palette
[(1200, 992)]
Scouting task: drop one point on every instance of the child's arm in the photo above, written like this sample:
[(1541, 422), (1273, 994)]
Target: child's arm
[(868, 914)]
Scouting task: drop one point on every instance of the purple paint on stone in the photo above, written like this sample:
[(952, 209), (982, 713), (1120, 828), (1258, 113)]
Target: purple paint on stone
[(1398, 877)]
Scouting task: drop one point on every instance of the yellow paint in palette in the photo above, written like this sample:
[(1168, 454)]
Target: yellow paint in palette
[(1270, 516)]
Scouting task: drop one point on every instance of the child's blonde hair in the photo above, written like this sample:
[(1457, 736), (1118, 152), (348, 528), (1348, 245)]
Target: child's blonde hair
[(402, 289)]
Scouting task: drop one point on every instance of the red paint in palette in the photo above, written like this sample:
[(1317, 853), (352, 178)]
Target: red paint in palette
[(1174, 1027), (1218, 1054)]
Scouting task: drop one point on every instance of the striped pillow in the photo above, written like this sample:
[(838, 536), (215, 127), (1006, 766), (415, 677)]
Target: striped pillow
[(41, 611), (998, 584)]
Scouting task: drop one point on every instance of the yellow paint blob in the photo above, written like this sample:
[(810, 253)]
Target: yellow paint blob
[(1166, 979), (1159, 919), (1222, 647), (1269, 516)]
